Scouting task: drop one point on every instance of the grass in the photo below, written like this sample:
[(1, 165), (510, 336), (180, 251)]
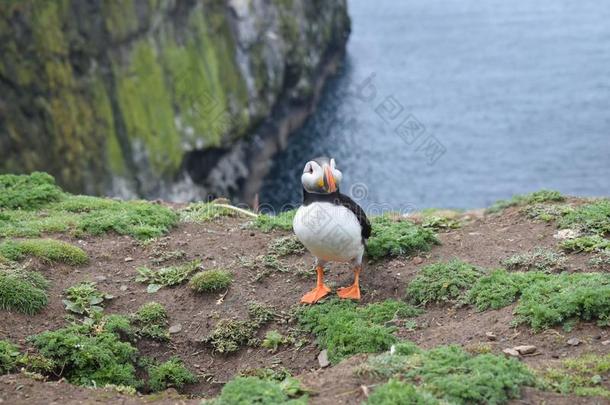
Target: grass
[(582, 376), (399, 392), (390, 238), (21, 290), (254, 390), (267, 223), (546, 212), (33, 205), (171, 373), (166, 276), (264, 265), (536, 197), (273, 340), (345, 329), (210, 211), (451, 375), (9, 357), (591, 243), (590, 219), (150, 321), (539, 259), (285, 246), (444, 282), (48, 250), (85, 299), (159, 256), (212, 280)]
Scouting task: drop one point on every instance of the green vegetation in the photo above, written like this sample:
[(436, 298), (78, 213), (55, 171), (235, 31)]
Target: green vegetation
[(439, 220), (285, 246), (268, 223), (451, 375), (211, 280), (209, 211), (546, 212), (9, 356), (253, 390), (442, 282), (150, 321), (601, 260), (160, 256), (89, 355), (345, 328), (21, 290), (27, 192), (539, 259), (260, 313), (85, 299), (36, 363), (592, 243), (397, 238), (582, 376), (536, 197), (264, 265), (273, 340), (166, 276), (590, 219), (48, 250), (33, 205), (399, 392), (172, 373)]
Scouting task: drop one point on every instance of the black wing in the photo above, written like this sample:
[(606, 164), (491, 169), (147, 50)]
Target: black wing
[(359, 212)]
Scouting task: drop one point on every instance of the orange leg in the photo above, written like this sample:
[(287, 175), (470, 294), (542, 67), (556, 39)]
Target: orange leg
[(319, 292), (353, 291)]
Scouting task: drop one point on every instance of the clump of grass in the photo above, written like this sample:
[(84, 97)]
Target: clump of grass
[(48, 250), (592, 219), (539, 259), (85, 299), (21, 290), (166, 276), (536, 197), (451, 375), (27, 191), (89, 355), (211, 280), (253, 390), (37, 363), (601, 260), (268, 223), (344, 329), (285, 246), (273, 340), (546, 212), (9, 356), (206, 211), (399, 392), (591, 243), (442, 282), (260, 313), (582, 376), (391, 238), (150, 321), (172, 373), (160, 256)]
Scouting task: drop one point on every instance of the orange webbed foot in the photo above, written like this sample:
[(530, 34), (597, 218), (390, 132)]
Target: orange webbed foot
[(315, 295), (352, 292)]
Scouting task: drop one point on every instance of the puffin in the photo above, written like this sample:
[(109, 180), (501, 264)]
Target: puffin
[(332, 226)]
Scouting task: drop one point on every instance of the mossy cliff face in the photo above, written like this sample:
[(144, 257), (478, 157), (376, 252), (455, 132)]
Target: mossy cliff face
[(143, 97)]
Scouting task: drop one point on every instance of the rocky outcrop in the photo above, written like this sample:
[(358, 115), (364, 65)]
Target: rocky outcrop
[(175, 99)]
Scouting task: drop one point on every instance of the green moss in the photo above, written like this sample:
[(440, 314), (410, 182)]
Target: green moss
[(593, 219), (442, 282), (150, 321), (166, 276), (399, 392), (253, 390), (268, 223), (539, 259), (172, 373), (391, 238), (211, 280), (594, 243), (344, 329), (536, 197), (9, 356), (582, 376), (48, 250), (27, 191), (21, 290)]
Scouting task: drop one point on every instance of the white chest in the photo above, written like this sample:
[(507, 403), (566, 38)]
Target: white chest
[(330, 232)]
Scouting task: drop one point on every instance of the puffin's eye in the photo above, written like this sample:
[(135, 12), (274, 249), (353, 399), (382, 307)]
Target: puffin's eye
[(310, 169)]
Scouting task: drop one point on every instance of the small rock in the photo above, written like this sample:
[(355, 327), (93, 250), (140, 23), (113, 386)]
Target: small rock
[(606, 342), (175, 328), (510, 352), (525, 349), (323, 359), (123, 287), (491, 335), (417, 260), (101, 278), (566, 234), (573, 342), (128, 259)]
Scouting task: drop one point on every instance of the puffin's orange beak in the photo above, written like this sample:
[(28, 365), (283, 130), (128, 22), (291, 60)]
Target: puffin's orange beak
[(329, 180)]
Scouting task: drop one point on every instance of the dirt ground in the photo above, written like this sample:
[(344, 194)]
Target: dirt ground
[(484, 240)]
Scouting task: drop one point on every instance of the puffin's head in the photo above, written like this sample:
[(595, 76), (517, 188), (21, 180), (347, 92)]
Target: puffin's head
[(321, 176)]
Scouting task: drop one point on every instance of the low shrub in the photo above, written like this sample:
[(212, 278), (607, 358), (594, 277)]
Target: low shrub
[(536, 197), (399, 392), (390, 238), (582, 376), (9, 356), (229, 335), (150, 321), (592, 219), (253, 390), (591, 243), (539, 259), (27, 192), (172, 373), (211, 280)]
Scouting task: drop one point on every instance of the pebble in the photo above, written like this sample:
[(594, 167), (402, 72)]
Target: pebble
[(606, 342), (491, 335), (566, 234), (573, 341), (101, 278), (525, 349), (417, 260), (323, 359), (128, 259), (175, 328), (511, 352), (123, 287)]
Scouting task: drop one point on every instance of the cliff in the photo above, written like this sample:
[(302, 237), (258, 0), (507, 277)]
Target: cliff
[(175, 99)]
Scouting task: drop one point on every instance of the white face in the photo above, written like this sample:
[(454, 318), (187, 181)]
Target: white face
[(313, 177)]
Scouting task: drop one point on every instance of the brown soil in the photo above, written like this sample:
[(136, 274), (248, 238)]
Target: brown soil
[(484, 240)]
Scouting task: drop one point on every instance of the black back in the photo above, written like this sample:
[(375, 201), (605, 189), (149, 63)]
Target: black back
[(341, 199)]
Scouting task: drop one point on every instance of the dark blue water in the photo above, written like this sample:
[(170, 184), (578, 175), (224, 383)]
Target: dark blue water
[(466, 102)]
